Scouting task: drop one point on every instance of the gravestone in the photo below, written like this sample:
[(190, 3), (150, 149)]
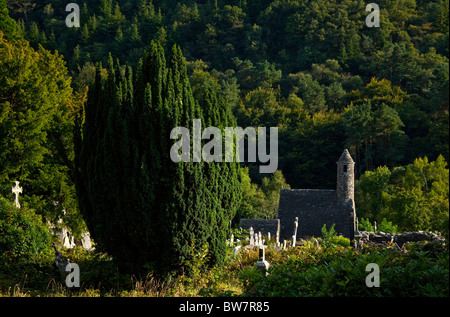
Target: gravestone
[(86, 241), (16, 190), (65, 237), (236, 251), (61, 261), (294, 236), (295, 226), (262, 264), (261, 225)]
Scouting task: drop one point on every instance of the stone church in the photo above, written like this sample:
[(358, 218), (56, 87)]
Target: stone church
[(316, 207)]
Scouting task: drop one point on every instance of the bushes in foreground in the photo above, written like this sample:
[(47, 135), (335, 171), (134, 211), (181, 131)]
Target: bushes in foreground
[(25, 246), (421, 269), (23, 235)]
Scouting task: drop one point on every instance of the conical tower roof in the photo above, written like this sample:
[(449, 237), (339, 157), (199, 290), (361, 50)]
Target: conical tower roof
[(346, 158)]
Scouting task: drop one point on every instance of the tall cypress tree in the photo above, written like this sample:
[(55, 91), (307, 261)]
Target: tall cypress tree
[(139, 205)]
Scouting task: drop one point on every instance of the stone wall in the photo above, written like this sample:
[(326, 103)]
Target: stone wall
[(399, 239)]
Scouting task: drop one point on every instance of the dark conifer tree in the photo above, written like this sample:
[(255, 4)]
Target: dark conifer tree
[(139, 205)]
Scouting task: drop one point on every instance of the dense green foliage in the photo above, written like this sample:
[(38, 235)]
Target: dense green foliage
[(364, 224), (414, 197), (312, 68), (139, 205), (23, 236), (260, 201), (7, 25), (340, 271), (36, 122)]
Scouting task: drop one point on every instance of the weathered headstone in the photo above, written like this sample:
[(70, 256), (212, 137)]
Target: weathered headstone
[(236, 251), (295, 226), (263, 225), (65, 237), (61, 261), (262, 264), (278, 235), (16, 190), (86, 241), (294, 236), (252, 238), (316, 244)]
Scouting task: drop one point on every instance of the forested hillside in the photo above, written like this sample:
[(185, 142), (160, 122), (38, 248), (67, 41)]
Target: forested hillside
[(311, 68)]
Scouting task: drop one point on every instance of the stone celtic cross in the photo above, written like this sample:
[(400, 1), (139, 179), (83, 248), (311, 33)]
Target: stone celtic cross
[(16, 190)]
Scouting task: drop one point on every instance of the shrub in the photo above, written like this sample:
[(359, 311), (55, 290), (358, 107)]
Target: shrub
[(328, 235), (23, 235), (387, 226), (341, 271), (365, 225), (384, 226), (331, 238), (25, 249), (340, 240)]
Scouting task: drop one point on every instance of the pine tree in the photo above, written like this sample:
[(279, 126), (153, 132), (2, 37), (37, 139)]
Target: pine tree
[(33, 34), (106, 8), (134, 33), (85, 34)]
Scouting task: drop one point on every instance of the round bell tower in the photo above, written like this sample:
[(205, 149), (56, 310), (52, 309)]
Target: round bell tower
[(345, 178)]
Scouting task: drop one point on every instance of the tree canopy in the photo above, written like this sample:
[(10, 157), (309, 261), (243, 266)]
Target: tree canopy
[(311, 68), (36, 123)]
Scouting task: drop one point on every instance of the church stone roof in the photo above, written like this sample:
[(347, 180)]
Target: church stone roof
[(314, 208)]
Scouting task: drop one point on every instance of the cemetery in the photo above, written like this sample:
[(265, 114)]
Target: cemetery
[(260, 262)]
